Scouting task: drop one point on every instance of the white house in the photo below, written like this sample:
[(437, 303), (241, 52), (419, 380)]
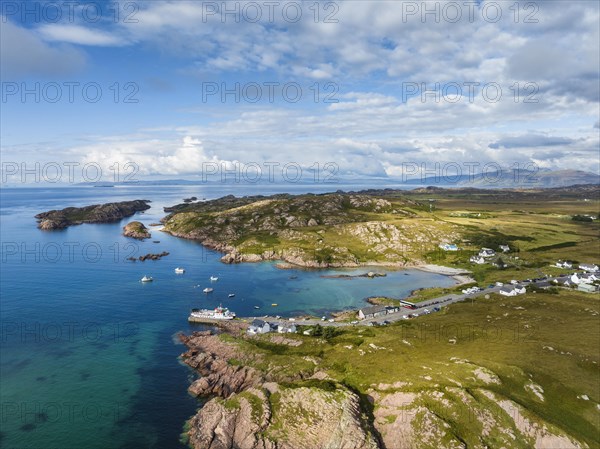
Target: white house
[(520, 289), (487, 252), (286, 328), (259, 327), (477, 259), (508, 290), (587, 278), (563, 264), (512, 290), (588, 267), (584, 278), (505, 248), (448, 247)]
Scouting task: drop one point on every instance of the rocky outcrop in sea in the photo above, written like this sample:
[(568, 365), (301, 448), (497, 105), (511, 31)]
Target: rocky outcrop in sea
[(98, 213), (136, 230)]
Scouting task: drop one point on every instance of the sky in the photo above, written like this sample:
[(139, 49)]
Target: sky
[(177, 89)]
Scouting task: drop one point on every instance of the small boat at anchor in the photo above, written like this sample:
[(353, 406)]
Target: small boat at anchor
[(274, 304), (146, 279), (208, 290), (179, 270), (257, 307), (214, 278), (231, 295)]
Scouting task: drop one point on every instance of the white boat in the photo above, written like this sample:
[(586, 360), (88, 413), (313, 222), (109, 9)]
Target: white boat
[(214, 278), (208, 290), (179, 270), (146, 279), (231, 295), (220, 313)]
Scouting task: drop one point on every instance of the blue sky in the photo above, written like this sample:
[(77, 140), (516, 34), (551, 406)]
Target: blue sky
[(367, 60)]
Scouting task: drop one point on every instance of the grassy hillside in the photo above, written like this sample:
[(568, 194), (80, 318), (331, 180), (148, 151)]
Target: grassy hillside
[(502, 372), (400, 227)]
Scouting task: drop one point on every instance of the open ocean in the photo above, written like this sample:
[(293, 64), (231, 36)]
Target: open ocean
[(89, 354)]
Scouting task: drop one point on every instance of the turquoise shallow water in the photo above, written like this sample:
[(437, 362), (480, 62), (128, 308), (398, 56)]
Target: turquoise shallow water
[(89, 354)]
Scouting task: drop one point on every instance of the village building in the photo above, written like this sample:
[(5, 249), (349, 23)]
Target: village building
[(371, 312), (259, 327), (487, 252), (588, 267), (563, 264), (286, 328), (512, 290), (587, 288)]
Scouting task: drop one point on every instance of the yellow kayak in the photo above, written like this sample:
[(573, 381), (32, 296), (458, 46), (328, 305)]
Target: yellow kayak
[(274, 305)]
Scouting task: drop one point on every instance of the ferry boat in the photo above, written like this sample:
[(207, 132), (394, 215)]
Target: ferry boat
[(214, 278), (146, 279), (179, 270), (208, 290), (219, 313)]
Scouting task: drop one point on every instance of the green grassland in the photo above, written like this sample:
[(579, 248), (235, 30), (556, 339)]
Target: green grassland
[(403, 227), (547, 340), (485, 373)]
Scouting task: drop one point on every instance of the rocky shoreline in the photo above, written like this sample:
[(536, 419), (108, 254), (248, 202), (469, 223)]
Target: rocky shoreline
[(252, 409), (97, 213)]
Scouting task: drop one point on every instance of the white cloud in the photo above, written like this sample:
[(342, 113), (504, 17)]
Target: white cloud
[(23, 53), (74, 34)]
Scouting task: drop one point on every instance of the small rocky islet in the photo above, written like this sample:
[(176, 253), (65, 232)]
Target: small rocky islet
[(136, 230)]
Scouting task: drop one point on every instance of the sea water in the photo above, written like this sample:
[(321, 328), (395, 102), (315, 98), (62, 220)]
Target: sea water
[(89, 354)]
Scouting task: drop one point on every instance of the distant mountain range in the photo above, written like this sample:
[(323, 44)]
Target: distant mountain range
[(511, 178)]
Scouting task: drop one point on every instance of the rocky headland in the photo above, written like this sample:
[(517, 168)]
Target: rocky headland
[(248, 408), (98, 213), (313, 231)]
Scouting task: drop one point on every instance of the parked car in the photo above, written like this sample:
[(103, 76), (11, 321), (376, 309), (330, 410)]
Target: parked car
[(499, 284), (405, 317), (353, 322), (514, 282)]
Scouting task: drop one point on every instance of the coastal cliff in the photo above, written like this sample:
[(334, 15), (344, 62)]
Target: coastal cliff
[(395, 386), (267, 409), (98, 213)]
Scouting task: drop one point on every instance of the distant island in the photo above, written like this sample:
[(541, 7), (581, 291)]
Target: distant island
[(98, 213)]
